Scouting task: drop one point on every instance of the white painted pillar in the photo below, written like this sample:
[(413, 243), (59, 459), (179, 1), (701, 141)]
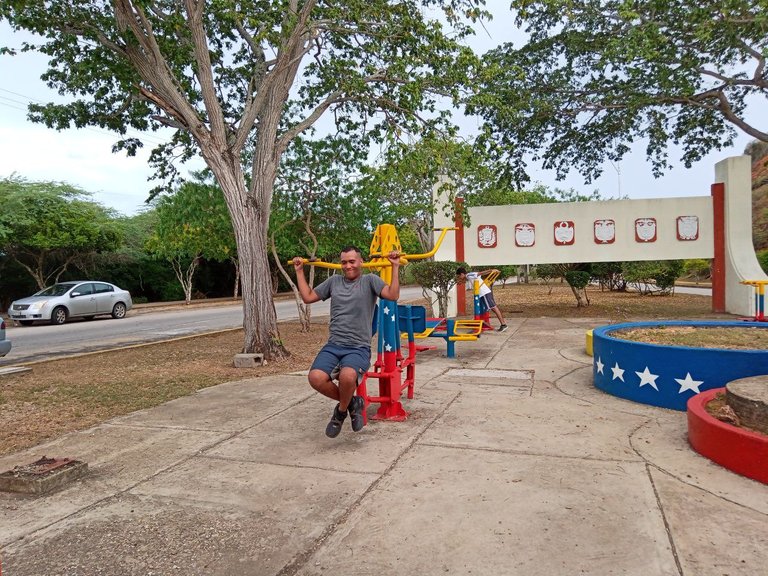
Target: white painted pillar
[(740, 259)]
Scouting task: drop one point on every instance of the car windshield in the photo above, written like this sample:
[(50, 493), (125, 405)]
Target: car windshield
[(55, 290)]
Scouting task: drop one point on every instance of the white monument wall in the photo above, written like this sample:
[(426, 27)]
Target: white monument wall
[(618, 231)]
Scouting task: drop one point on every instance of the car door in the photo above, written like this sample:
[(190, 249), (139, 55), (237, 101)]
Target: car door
[(105, 297), (82, 301)]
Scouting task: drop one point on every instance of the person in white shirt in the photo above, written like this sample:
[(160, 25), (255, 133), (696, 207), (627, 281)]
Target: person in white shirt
[(485, 292)]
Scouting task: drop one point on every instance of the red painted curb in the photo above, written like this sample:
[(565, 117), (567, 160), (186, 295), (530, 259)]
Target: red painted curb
[(741, 451)]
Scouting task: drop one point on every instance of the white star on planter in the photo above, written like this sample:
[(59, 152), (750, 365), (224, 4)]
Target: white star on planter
[(647, 378), (689, 383), (388, 348), (386, 309), (599, 365), (617, 373)]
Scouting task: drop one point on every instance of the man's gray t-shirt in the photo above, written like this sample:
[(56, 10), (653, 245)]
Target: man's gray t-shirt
[(352, 305)]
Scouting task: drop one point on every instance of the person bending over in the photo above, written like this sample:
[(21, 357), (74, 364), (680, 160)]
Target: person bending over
[(485, 292), (348, 350)]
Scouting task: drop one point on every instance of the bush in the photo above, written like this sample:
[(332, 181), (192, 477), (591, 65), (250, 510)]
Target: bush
[(650, 276), (439, 277), (609, 275), (762, 258), (697, 269), (578, 278)]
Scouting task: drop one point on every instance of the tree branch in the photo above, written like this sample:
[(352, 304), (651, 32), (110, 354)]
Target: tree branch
[(194, 10)]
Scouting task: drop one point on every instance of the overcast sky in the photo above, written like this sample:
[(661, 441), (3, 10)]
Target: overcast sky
[(84, 158)]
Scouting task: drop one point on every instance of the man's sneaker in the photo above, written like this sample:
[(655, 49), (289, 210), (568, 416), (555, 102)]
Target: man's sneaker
[(502, 327), (334, 426), (356, 408)]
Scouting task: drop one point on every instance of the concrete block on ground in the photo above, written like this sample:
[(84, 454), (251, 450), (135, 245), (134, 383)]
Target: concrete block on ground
[(249, 360), (43, 476)]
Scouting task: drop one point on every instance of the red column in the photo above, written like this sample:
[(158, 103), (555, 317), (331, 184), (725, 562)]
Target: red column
[(461, 291), (718, 262)]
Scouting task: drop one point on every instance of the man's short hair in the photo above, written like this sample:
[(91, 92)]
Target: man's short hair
[(351, 248), (460, 270)]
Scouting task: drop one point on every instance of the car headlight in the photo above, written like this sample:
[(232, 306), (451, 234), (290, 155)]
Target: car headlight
[(38, 305)]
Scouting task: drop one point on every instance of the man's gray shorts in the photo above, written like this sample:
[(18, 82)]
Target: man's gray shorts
[(332, 358), (490, 301)]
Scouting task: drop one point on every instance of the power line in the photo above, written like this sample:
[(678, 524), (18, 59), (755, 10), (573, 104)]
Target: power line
[(29, 99)]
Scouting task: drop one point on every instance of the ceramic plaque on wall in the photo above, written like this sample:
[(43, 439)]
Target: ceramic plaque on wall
[(605, 231), (687, 227), (525, 234), (645, 230), (486, 236), (564, 233)]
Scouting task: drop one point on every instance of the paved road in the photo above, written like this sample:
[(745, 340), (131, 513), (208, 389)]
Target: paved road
[(43, 341)]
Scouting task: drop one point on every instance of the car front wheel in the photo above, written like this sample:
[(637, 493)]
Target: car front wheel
[(59, 315), (118, 310)]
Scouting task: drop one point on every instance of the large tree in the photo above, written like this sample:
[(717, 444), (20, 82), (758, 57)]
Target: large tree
[(595, 76), (222, 75), (48, 226)]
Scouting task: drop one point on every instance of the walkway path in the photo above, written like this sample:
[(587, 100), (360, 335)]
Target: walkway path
[(510, 463)]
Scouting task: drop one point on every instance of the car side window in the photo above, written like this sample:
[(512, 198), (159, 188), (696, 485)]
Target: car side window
[(101, 288), (84, 289)]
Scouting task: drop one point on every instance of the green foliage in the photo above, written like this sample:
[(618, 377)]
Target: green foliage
[(762, 258), (698, 269), (546, 273), (439, 277), (652, 276), (506, 272), (609, 275), (577, 278), (318, 204), (404, 181), (595, 77), (359, 56), (47, 226), (192, 222)]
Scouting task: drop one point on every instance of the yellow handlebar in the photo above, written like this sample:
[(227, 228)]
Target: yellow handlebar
[(378, 263)]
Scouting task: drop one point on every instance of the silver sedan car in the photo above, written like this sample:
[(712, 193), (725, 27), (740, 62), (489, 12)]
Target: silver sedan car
[(83, 299)]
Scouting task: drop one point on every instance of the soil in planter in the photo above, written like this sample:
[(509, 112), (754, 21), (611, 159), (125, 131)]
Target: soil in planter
[(718, 408), (736, 338)]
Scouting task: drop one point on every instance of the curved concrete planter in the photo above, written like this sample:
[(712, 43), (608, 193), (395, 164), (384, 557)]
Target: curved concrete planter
[(742, 451), (668, 376)]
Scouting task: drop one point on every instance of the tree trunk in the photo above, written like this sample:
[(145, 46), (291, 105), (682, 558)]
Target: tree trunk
[(303, 309), (185, 277), (236, 291), (250, 219), (581, 297)]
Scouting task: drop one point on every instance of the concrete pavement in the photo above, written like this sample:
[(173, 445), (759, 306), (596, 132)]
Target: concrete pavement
[(510, 463)]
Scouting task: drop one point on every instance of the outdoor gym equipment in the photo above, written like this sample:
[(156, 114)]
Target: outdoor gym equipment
[(454, 330), (759, 290), (391, 321)]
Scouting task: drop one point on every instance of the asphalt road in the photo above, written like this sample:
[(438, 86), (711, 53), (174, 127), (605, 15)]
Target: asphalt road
[(44, 341)]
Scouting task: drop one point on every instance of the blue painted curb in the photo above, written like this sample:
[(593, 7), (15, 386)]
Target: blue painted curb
[(667, 376)]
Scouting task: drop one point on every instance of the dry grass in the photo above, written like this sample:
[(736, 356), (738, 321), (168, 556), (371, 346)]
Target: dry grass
[(73, 394), (534, 300)]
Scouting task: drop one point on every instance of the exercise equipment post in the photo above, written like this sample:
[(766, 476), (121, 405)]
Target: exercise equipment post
[(758, 287)]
